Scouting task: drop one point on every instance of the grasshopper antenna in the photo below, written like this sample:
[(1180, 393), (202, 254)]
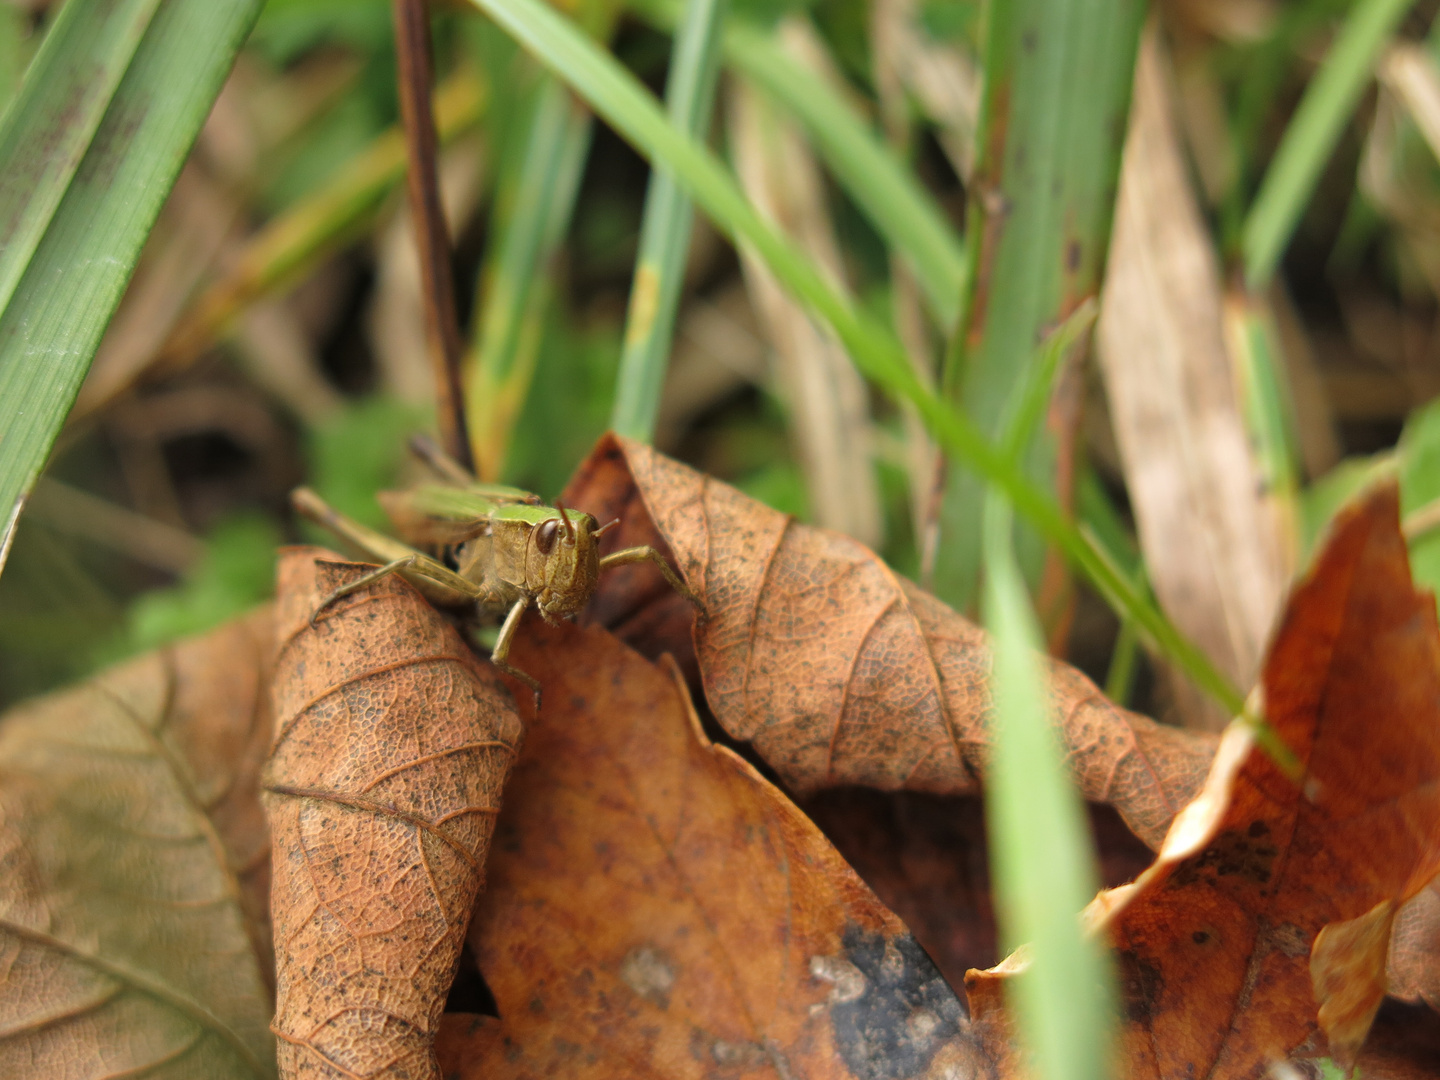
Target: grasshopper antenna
[(605, 528), (428, 450), (569, 528)]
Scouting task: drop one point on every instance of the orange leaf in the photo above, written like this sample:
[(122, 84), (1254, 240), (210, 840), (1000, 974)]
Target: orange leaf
[(1215, 939), (657, 908), (392, 745)]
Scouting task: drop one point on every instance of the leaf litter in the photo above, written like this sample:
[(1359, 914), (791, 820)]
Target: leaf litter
[(1264, 886), (593, 936), (656, 907)]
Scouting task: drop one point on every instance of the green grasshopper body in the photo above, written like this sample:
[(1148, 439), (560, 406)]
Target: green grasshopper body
[(509, 552)]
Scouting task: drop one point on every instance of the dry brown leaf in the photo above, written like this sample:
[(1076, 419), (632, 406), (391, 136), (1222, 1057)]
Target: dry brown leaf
[(392, 745), (1215, 939), (657, 908), (134, 878), (838, 670), (1213, 550), (1415, 949)]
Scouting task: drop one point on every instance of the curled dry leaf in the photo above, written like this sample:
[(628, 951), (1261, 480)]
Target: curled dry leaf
[(657, 908), (1212, 544), (838, 670), (134, 872), (1415, 949), (1215, 939), (392, 745)]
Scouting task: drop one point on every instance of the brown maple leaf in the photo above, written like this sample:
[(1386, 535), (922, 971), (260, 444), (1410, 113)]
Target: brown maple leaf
[(656, 908)]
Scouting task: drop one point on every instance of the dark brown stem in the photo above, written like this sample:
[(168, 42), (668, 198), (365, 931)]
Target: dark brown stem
[(442, 327)]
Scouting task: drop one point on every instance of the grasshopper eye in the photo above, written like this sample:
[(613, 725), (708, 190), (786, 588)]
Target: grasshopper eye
[(545, 536)]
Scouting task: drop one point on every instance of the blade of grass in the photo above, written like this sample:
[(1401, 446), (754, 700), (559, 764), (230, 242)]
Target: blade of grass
[(1268, 409), (1038, 381), (51, 122), (432, 237), (1042, 858), (895, 202), (13, 24), (54, 319), (502, 355), (665, 230), (1038, 231), (1312, 134), (617, 96)]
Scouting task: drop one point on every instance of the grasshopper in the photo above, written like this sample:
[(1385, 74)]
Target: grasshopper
[(507, 550)]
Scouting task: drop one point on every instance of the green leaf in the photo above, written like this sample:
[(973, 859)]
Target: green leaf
[(49, 125), (1312, 134), (1038, 233), (67, 289), (1042, 859), (665, 230), (616, 95)]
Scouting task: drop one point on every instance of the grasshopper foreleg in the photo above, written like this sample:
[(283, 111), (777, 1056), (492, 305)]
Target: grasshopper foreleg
[(648, 554), (500, 655)]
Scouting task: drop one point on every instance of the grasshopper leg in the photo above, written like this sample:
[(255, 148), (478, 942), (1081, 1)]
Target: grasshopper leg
[(500, 655), (436, 582), (396, 566), (648, 554)]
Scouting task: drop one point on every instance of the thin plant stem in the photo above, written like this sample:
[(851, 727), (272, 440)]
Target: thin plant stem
[(442, 325)]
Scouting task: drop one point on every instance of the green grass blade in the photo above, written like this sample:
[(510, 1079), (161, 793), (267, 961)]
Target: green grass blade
[(13, 53), (902, 210), (49, 125), (896, 203), (1266, 405), (1312, 133), (1041, 856), (510, 301), (1039, 231), (632, 111), (1039, 379), (665, 230), (53, 322)]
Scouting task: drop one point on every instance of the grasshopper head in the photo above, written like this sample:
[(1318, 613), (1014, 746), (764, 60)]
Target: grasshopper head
[(567, 546)]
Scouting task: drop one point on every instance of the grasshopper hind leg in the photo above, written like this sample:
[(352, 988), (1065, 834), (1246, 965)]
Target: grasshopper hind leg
[(397, 566)]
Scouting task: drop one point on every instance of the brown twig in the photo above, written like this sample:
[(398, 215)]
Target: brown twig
[(442, 327)]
